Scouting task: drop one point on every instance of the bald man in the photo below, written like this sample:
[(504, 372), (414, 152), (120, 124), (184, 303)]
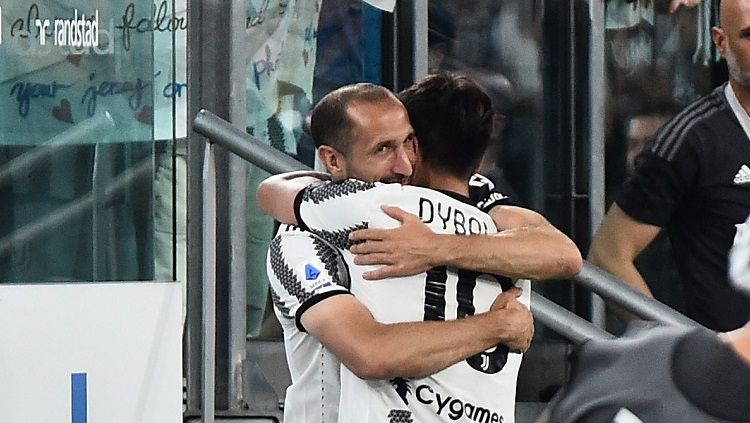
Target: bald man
[(692, 179)]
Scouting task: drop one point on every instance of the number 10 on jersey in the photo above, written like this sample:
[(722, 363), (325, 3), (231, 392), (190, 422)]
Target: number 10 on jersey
[(491, 361)]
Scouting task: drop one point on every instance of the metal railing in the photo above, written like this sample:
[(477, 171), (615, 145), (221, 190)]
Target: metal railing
[(243, 144), (617, 291), (563, 322), (218, 130)]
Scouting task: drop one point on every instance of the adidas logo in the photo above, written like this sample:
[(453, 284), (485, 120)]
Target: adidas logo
[(742, 176)]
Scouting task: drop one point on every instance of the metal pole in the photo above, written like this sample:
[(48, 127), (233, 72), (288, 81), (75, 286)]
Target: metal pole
[(237, 208), (209, 285), (562, 321), (244, 145), (421, 47), (597, 100), (611, 288)]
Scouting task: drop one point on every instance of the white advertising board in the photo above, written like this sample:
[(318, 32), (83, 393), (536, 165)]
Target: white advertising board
[(91, 352)]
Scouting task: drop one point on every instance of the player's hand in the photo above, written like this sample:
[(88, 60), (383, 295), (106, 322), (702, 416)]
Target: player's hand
[(517, 321), (506, 297), (403, 251)]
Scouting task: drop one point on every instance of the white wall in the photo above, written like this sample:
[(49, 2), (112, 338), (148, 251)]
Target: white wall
[(126, 337)]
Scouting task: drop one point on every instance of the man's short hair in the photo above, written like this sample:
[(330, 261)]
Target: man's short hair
[(453, 120), (330, 123)]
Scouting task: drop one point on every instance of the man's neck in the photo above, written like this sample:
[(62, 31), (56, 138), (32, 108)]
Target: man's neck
[(450, 183), (742, 94)]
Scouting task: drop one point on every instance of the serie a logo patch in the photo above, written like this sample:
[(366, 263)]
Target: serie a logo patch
[(313, 276), (311, 272)]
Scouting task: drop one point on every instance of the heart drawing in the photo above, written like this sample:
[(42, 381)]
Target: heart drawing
[(62, 111), (145, 115)]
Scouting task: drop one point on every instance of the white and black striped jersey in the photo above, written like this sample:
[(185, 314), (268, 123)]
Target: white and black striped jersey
[(302, 272), (693, 179), (479, 389)]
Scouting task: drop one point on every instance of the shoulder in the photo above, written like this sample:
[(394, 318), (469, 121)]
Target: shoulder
[(685, 130), (294, 252), (303, 270), (484, 193), (329, 190)]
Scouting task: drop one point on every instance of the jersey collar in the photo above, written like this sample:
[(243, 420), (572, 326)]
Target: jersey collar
[(737, 108), (457, 196)]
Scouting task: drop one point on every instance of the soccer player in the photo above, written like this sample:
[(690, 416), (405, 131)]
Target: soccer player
[(450, 95), (323, 327)]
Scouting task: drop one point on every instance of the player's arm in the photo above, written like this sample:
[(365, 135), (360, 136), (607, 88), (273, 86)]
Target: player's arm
[(528, 247), (320, 305), (617, 243), (276, 194), (374, 350)]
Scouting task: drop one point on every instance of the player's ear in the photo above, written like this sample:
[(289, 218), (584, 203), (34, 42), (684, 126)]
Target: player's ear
[(333, 160), (717, 33)]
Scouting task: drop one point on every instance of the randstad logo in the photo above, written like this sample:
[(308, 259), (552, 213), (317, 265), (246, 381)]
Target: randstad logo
[(81, 33)]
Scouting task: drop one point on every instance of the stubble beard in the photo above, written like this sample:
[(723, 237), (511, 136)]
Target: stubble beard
[(743, 79)]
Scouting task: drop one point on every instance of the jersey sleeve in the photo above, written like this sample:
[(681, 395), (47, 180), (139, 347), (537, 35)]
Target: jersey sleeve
[(483, 193), (303, 270), (660, 181), (333, 210)]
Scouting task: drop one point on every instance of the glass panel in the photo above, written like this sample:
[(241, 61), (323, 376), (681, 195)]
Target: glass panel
[(77, 138), (170, 131), (498, 44), (501, 45), (301, 50)]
